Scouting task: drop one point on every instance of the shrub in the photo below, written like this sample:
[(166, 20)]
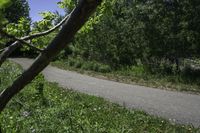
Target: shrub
[(78, 64), (138, 70), (71, 62), (87, 66), (104, 68), (191, 69)]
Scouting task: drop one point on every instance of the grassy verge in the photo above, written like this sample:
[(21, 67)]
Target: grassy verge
[(135, 76), (43, 107)]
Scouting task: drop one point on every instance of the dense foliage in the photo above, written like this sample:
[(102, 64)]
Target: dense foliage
[(132, 32), (121, 33), (17, 9), (3, 5), (15, 20)]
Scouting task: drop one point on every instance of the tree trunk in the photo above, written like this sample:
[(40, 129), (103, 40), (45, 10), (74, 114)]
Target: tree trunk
[(4, 55), (75, 21)]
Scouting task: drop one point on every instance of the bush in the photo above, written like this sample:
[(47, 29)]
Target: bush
[(71, 62), (78, 64), (162, 66), (138, 70), (104, 69), (88, 65), (191, 69)]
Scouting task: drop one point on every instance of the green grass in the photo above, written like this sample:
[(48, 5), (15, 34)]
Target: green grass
[(43, 107), (136, 75)]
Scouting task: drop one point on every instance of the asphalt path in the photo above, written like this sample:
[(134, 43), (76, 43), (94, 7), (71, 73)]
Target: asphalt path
[(177, 107)]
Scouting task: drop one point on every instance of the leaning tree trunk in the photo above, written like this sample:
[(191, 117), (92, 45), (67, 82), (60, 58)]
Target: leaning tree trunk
[(75, 21), (7, 51), (4, 55)]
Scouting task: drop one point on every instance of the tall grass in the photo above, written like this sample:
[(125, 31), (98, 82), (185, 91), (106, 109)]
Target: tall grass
[(43, 107), (162, 76)]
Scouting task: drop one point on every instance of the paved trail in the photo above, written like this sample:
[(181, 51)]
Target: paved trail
[(175, 106)]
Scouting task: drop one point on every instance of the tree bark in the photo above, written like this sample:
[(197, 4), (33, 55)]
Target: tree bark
[(4, 55), (75, 21), (7, 51)]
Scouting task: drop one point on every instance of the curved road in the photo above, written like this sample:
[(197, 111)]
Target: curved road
[(175, 106)]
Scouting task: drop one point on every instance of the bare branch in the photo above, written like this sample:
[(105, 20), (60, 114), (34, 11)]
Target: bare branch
[(34, 35), (8, 50), (20, 40), (46, 32), (77, 19), (37, 34), (31, 46)]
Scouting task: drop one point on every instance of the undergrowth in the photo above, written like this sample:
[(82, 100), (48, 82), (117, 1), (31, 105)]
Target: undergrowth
[(43, 107), (133, 75)]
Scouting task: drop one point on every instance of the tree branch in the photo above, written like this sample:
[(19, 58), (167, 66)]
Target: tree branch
[(20, 40), (36, 34), (31, 46), (45, 32), (76, 20), (8, 50)]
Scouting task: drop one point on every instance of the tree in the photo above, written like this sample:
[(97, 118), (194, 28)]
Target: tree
[(17, 16), (17, 9), (75, 21), (3, 5), (65, 3), (141, 31), (19, 41)]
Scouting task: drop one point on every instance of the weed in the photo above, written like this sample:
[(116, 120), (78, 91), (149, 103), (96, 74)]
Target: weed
[(70, 111), (139, 74)]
